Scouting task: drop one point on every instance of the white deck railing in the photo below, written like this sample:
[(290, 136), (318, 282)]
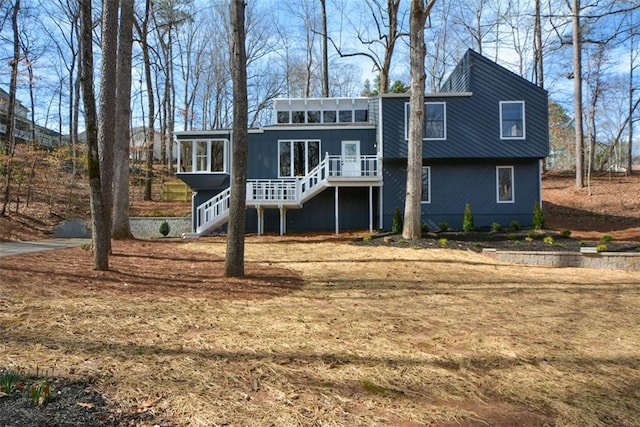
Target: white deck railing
[(213, 210), (272, 190), (292, 191), (353, 166)]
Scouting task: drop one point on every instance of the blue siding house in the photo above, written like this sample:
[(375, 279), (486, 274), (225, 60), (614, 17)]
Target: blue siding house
[(340, 163)]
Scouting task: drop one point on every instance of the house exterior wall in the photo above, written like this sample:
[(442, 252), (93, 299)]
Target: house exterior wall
[(454, 183), (318, 214), (262, 161)]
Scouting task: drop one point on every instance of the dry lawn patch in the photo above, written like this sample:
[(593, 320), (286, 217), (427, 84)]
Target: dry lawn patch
[(327, 333)]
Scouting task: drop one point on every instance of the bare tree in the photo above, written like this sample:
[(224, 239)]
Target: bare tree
[(120, 226), (107, 104), (9, 145), (99, 224), (325, 51), (144, 35), (577, 89), (388, 32), (412, 227), (234, 265)]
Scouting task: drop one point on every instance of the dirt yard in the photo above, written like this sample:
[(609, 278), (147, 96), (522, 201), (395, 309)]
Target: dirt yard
[(321, 331)]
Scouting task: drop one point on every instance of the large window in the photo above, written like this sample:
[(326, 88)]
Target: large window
[(512, 120), (504, 183), (426, 185), (202, 155), (297, 158), (435, 121)]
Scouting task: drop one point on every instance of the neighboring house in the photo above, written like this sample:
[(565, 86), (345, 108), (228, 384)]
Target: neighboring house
[(23, 131), (340, 163)]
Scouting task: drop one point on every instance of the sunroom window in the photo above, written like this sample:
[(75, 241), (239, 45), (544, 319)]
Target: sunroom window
[(512, 120), (202, 155), (297, 158)]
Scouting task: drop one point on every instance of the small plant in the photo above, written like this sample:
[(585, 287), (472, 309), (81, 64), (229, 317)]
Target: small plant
[(366, 238), (607, 238), (602, 247), (548, 240), (443, 243), (515, 225), (443, 226), (531, 234), (565, 234), (467, 221), (397, 224), (582, 243), (164, 228), (511, 236), (425, 227), (538, 217), (496, 226), (7, 381), (40, 392)]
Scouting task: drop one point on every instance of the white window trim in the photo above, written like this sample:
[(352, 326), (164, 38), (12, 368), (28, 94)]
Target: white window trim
[(194, 156), (306, 159), (406, 121), (428, 201), (524, 122), (513, 185)]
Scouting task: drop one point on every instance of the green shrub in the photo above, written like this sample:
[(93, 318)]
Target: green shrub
[(565, 233), (496, 227), (548, 240), (538, 217), (164, 228), (531, 234), (443, 243), (601, 247), (425, 227), (366, 238), (607, 238), (396, 226), (511, 236), (444, 226), (515, 225), (467, 221)]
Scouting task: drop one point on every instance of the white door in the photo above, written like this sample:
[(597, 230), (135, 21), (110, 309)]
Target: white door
[(350, 158)]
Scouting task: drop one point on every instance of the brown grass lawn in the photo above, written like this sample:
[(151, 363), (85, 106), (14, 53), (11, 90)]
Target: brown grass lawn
[(326, 333)]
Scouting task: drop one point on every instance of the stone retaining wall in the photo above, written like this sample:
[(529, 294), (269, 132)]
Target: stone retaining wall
[(149, 227), (600, 260)]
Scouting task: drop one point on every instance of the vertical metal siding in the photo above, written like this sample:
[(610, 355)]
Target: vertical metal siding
[(456, 183)]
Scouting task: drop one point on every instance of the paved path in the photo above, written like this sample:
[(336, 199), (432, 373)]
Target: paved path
[(16, 248)]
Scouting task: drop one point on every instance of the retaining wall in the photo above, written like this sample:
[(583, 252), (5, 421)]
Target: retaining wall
[(149, 227), (600, 260)]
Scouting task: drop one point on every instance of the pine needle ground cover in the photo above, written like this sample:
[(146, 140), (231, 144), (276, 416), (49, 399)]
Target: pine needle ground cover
[(323, 332)]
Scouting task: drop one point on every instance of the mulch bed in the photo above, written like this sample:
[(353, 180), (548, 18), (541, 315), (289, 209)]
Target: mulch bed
[(505, 240)]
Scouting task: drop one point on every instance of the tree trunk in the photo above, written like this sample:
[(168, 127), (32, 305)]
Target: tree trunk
[(99, 225), (120, 226), (325, 52), (234, 266), (150, 137), (412, 227), (539, 68), (577, 92), (107, 104), (10, 143), (392, 14)]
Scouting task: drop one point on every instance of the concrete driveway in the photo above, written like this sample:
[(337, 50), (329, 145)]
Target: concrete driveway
[(16, 248)]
